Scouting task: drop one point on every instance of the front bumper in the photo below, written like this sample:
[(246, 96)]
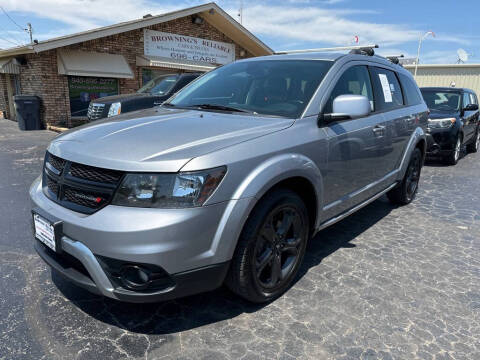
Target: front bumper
[(95, 280), (193, 246), (441, 141)]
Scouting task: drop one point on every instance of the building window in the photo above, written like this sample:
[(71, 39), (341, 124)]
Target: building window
[(83, 89)]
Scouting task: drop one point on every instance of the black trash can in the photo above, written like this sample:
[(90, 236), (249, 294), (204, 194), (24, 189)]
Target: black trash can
[(27, 110)]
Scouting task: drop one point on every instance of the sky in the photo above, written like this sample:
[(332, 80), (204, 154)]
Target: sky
[(395, 26)]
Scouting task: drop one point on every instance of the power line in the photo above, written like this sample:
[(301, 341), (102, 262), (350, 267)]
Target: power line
[(11, 42), (7, 32), (20, 27)]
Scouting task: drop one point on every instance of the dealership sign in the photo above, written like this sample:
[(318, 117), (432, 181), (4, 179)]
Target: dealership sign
[(180, 47)]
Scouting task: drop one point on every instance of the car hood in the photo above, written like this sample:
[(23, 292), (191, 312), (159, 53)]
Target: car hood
[(119, 98), (159, 139)]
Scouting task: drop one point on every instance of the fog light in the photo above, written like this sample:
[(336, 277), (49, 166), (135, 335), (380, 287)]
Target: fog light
[(135, 277)]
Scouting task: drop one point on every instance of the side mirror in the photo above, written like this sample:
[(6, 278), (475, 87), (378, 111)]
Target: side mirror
[(347, 107), (471, 107)]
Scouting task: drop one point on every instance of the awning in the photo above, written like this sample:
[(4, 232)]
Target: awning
[(9, 66), (82, 63), (158, 61)]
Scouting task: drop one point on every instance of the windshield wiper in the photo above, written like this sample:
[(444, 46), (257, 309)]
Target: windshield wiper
[(220, 107)]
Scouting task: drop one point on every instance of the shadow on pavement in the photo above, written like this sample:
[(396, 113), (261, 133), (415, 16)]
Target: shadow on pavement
[(219, 305)]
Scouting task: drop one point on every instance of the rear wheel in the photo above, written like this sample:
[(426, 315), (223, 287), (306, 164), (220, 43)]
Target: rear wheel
[(475, 144), (271, 247), (452, 158), (406, 191)]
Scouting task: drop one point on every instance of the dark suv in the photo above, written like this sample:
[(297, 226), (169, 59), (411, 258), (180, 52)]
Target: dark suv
[(453, 121), (153, 93)]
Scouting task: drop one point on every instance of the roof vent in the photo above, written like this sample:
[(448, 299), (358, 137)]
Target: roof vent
[(147, 16)]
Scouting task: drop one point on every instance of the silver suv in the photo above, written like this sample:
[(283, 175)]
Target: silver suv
[(228, 180)]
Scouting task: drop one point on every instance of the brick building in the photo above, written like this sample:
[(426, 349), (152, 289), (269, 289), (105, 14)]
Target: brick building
[(67, 72)]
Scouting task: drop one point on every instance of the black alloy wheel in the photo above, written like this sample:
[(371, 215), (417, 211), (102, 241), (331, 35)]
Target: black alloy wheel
[(278, 247), (475, 144), (454, 156), (271, 247), (413, 176), (406, 191)]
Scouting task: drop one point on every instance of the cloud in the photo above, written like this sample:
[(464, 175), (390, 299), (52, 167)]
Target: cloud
[(328, 26), (87, 14)]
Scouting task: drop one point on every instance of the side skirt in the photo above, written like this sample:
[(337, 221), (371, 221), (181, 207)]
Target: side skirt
[(354, 209)]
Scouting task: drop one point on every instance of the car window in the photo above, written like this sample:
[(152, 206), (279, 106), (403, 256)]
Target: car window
[(441, 100), (410, 90), (387, 90), (472, 99), (466, 99), (268, 87), (354, 81)]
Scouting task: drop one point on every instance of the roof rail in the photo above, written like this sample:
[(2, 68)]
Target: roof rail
[(356, 47), (394, 58)]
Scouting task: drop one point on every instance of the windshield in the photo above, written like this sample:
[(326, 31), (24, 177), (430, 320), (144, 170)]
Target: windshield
[(266, 87), (159, 86), (442, 100)]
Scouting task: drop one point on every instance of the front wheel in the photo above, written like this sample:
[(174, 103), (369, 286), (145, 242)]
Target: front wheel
[(452, 158), (406, 191), (475, 144), (271, 247)]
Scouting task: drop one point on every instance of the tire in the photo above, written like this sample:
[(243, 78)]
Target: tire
[(268, 257), (454, 156), (475, 144), (406, 191)]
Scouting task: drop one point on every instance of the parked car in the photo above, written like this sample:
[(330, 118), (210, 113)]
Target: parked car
[(153, 93), (228, 181), (453, 121)]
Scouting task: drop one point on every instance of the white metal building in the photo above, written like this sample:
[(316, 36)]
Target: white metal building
[(462, 75)]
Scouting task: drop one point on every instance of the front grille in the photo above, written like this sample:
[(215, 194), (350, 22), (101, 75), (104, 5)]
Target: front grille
[(52, 185), (79, 187), (56, 162), (95, 174), (95, 111), (82, 198)]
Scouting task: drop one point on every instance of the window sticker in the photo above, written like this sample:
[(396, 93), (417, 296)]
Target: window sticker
[(387, 93), (392, 88)]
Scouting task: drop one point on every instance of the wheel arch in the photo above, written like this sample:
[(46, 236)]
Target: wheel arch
[(293, 171)]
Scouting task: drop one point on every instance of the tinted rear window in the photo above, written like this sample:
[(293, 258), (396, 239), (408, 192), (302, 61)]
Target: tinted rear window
[(387, 90), (410, 90)]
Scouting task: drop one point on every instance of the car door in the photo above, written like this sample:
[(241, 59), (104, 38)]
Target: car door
[(476, 115), (399, 122), (468, 118), (352, 146)]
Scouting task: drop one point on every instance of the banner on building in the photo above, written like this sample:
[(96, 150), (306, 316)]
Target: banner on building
[(180, 47)]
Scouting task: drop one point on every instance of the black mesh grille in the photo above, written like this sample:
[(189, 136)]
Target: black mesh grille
[(83, 198), (79, 187), (95, 174), (52, 185), (56, 162)]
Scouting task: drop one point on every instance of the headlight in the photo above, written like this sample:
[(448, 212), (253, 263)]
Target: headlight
[(441, 123), (115, 109), (187, 189)]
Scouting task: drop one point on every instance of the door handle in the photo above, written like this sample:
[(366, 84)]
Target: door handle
[(379, 129)]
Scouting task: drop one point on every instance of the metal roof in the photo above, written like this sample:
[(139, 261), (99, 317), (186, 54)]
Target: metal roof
[(211, 12)]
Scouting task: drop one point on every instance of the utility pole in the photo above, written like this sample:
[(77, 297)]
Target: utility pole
[(240, 11), (30, 32)]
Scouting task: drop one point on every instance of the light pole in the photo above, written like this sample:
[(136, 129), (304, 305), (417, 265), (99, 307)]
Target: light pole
[(423, 37)]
